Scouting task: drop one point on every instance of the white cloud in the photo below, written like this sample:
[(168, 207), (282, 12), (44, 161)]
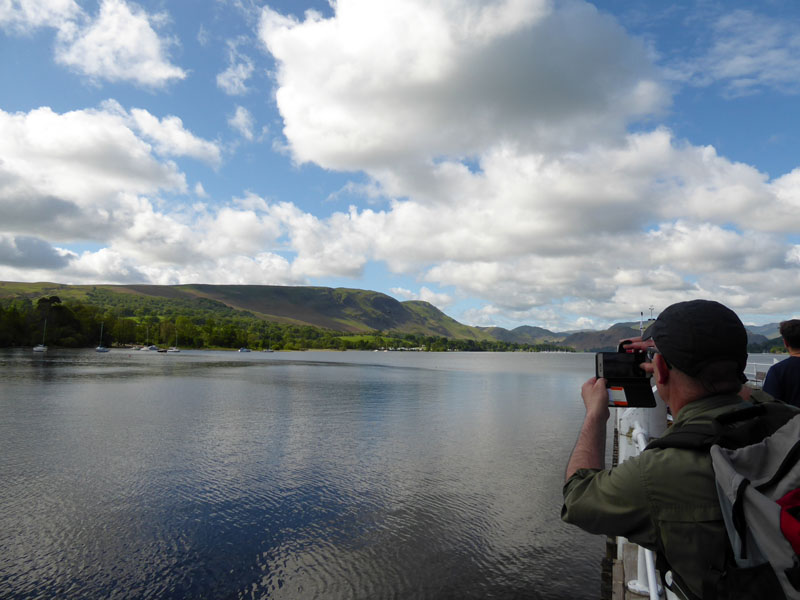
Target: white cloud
[(485, 316), (547, 91), (750, 52), (91, 176), (338, 246), (30, 253), (104, 265), (26, 15), (115, 266), (396, 81), (86, 176), (404, 293), (531, 230), (237, 231), (119, 45), (203, 36), (499, 159), (233, 80), (172, 139), (440, 300), (242, 121), (73, 174), (263, 268)]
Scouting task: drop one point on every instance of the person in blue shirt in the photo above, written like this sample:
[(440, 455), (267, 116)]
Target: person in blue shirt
[(783, 379)]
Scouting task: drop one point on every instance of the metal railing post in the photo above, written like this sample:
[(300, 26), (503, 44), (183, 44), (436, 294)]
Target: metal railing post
[(636, 426)]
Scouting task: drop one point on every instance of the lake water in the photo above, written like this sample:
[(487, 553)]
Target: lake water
[(290, 475)]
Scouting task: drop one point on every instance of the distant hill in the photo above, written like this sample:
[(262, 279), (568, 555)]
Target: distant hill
[(522, 335), (769, 331), (601, 341), (339, 309), (755, 338)]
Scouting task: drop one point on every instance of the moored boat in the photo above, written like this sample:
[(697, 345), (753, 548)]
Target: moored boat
[(101, 347), (41, 347)]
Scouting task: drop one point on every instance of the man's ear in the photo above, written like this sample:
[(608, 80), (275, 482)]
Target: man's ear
[(661, 372)]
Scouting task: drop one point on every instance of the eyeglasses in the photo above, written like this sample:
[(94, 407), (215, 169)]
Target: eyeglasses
[(652, 351)]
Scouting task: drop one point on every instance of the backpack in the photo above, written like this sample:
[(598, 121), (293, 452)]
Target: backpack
[(755, 453)]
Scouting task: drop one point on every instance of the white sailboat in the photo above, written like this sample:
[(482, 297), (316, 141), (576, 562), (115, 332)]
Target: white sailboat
[(147, 345), (101, 348), (175, 347), (41, 347)]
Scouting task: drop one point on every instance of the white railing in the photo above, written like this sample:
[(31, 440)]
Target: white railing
[(636, 427), (755, 371)]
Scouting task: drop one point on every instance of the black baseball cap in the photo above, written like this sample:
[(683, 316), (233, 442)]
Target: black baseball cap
[(692, 336)]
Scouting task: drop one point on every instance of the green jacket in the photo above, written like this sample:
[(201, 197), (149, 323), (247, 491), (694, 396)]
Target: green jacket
[(663, 499)]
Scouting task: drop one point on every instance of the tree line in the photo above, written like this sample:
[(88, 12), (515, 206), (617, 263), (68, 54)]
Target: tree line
[(200, 324), (773, 346)]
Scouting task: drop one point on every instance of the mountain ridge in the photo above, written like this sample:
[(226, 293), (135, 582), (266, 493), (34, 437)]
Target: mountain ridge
[(348, 310)]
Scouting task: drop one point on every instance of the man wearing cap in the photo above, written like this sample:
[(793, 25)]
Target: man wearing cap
[(783, 378), (665, 499)]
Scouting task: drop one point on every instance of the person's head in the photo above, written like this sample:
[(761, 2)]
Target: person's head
[(705, 341), (790, 332)]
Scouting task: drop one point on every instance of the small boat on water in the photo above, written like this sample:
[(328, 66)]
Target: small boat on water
[(175, 347), (41, 347), (101, 348), (244, 349), (268, 350)]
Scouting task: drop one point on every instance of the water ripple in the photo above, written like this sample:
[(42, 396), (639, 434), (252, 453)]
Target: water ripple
[(306, 476)]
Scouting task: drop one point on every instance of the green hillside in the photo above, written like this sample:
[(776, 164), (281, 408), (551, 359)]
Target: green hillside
[(264, 315), (524, 334), (222, 312), (338, 309)]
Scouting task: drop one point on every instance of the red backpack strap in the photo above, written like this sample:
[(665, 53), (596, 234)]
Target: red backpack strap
[(790, 518)]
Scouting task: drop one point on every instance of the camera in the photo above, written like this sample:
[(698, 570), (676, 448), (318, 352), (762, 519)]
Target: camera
[(628, 384)]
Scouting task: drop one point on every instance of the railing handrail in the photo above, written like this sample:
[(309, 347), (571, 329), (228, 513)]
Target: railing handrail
[(756, 371), (633, 424)]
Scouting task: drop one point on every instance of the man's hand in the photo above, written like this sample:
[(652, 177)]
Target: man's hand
[(590, 449), (638, 343), (595, 398)]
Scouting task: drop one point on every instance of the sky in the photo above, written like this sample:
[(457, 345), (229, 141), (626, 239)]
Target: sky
[(563, 164)]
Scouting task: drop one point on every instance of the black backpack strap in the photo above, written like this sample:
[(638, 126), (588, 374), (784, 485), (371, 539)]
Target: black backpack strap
[(793, 573), (701, 436), (740, 427), (690, 437), (790, 460), (677, 586)]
